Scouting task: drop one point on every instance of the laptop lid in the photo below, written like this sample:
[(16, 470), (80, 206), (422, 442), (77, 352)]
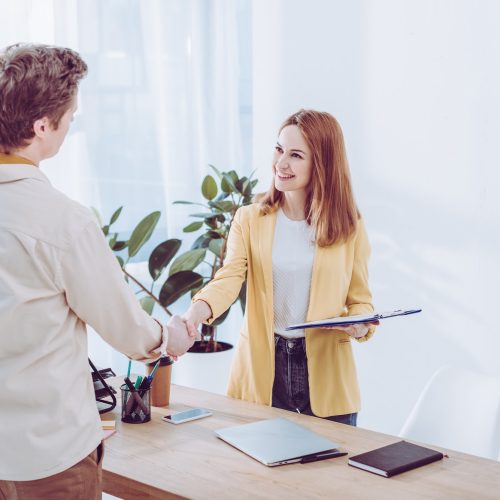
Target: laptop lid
[(276, 441)]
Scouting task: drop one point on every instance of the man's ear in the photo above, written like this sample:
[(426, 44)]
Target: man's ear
[(41, 127)]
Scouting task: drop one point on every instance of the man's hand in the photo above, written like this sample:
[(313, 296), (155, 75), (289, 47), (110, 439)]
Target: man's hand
[(179, 340), (198, 311)]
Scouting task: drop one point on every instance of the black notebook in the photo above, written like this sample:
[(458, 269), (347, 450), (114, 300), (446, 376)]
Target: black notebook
[(395, 458)]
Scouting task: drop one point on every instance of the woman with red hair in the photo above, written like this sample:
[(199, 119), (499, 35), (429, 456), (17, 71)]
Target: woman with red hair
[(303, 249)]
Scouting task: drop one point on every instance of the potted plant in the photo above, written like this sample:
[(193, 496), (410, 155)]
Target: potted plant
[(171, 278), (223, 199), (179, 282)]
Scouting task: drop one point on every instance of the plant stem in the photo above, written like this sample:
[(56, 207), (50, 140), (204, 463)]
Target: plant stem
[(146, 291), (214, 267)]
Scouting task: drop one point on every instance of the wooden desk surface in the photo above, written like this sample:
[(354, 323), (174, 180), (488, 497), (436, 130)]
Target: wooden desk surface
[(161, 460)]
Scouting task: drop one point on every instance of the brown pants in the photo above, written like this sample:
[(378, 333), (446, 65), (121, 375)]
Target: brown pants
[(82, 481)]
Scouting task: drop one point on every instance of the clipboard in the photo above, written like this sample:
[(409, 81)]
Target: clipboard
[(352, 320)]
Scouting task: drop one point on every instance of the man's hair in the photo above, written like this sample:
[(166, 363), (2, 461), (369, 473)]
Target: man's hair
[(36, 81)]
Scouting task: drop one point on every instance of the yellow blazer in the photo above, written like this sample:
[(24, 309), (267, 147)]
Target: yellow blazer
[(339, 286)]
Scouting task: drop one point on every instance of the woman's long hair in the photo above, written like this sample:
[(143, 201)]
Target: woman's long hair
[(330, 206)]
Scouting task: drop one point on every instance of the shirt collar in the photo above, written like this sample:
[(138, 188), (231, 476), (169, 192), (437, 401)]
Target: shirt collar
[(6, 159), (14, 168)]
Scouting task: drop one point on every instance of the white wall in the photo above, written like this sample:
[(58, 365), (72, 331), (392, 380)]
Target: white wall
[(415, 85)]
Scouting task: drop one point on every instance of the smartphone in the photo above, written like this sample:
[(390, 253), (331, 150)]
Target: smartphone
[(186, 416)]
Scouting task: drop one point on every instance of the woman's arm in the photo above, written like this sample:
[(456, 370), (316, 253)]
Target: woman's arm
[(216, 297), (359, 297)]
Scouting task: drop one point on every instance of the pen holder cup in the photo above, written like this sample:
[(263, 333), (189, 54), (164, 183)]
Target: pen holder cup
[(136, 406), (160, 387)]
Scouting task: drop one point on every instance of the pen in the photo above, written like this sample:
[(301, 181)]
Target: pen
[(322, 456), (134, 399), (152, 374), (143, 384), (138, 381), (129, 367), (130, 400)]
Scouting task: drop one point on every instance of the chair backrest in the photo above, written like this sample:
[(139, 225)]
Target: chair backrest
[(460, 410)]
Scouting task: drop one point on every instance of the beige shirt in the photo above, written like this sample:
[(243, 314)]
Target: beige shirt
[(57, 273)]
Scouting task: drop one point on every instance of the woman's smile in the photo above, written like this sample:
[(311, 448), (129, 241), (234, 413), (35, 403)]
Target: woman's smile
[(284, 177)]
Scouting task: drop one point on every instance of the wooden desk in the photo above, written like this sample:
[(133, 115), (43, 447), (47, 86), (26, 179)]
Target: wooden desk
[(161, 460)]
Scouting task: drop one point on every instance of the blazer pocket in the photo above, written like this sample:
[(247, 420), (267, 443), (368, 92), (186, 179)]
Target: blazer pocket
[(344, 341)]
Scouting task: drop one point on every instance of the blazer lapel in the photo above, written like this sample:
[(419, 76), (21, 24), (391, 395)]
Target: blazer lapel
[(267, 224)]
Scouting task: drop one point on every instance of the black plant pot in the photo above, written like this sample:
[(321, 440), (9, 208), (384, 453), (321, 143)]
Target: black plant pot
[(208, 342), (207, 346)]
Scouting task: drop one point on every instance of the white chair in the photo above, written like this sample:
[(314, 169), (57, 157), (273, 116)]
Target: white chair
[(460, 410)]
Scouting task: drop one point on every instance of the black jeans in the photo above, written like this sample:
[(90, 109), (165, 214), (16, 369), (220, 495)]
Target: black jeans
[(291, 379)]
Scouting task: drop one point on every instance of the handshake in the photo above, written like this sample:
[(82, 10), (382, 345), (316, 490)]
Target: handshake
[(183, 330)]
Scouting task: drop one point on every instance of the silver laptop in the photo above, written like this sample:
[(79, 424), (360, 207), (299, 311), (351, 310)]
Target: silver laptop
[(277, 441)]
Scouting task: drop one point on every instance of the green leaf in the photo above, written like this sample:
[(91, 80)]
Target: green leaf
[(115, 216), (112, 240), (120, 245), (105, 230), (234, 176), (161, 256), (227, 183), (224, 206), (142, 233), (187, 261), (194, 226), (221, 197), (201, 242), (209, 187), (202, 215), (215, 246), (254, 182), (211, 222), (181, 202), (240, 181), (217, 172), (213, 235), (177, 285), (246, 188), (97, 216), (148, 304), (120, 261), (231, 178)]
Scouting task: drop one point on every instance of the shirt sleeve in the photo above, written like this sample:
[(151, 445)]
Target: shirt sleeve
[(224, 289), (359, 297), (96, 291)]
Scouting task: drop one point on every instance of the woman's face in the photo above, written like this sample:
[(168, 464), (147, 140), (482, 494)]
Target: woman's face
[(292, 162)]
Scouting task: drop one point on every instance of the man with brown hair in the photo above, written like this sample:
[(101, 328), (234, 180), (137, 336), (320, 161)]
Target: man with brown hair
[(57, 274)]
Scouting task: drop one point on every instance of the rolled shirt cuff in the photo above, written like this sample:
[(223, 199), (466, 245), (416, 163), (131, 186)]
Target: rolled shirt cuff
[(162, 349)]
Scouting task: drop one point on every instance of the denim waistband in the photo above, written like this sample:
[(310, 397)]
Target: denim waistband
[(282, 343)]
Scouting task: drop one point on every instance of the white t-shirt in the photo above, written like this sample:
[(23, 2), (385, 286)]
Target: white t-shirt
[(293, 256)]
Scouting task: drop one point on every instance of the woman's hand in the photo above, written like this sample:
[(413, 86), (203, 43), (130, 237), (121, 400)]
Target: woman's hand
[(198, 312), (356, 331)]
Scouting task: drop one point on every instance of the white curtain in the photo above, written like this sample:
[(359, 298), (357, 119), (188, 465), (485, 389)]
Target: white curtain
[(165, 96)]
